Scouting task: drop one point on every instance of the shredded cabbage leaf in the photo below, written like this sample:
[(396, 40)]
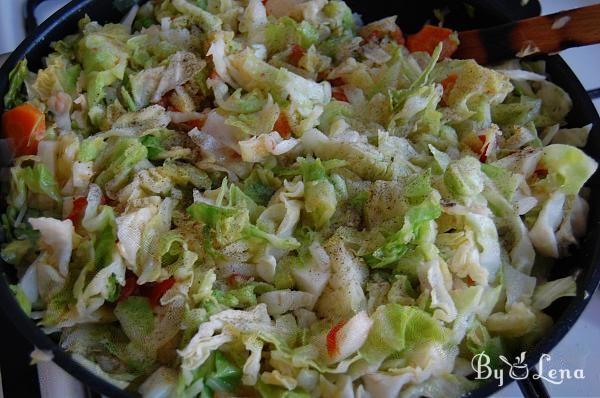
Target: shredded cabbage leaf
[(273, 198)]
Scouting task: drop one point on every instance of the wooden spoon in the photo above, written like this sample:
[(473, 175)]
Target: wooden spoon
[(545, 34)]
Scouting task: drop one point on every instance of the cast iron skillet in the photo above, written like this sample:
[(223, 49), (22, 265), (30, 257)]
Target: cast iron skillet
[(585, 260)]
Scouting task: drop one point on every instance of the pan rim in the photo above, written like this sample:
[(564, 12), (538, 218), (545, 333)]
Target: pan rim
[(39, 339)]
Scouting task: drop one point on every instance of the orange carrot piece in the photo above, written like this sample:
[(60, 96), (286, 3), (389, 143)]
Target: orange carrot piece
[(24, 125), (338, 81), (282, 126), (429, 37), (296, 55), (448, 84), (332, 344), (339, 95)]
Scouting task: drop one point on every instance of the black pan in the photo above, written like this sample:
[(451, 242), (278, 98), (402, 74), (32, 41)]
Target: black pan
[(585, 260)]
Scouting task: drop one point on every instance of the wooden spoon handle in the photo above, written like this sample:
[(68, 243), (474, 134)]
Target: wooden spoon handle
[(546, 34)]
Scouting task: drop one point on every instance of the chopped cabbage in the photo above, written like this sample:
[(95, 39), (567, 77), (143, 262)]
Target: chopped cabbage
[(396, 328), (16, 78), (272, 198)]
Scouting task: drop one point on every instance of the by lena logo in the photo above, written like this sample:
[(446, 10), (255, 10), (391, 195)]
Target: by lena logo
[(518, 369)]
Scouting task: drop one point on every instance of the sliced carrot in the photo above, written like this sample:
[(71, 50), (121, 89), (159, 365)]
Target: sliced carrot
[(157, 290), (338, 81), (483, 156), (24, 125), (79, 206), (198, 123), (153, 290), (339, 95), (332, 344), (282, 126), (429, 37), (296, 55), (448, 84), (484, 148)]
